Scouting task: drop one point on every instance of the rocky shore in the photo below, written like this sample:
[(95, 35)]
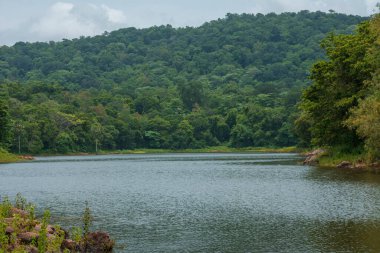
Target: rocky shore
[(20, 231), (313, 159)]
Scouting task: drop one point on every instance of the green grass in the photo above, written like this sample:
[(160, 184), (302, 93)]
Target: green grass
[(6, 157), (217, 149), (333, 157)]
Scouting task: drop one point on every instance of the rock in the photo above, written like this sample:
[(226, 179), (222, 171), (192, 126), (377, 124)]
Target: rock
[(50, 229), (345, 165), (28, 237), (361, 166), (22, 213), (32, 249), (312, 157), (8, 220), (26, 157), (98, 242), (69, 244), (37, 227), (9, 230)]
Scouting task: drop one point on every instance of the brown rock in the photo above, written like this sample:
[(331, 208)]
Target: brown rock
[(8, 220), (28, 237), (345, 165), (32, 249), (37, 227), (26, 157), (20, 212), (50, 229), (361, 166), (312, 157), (69, 244), (98, 242), (9, 230)]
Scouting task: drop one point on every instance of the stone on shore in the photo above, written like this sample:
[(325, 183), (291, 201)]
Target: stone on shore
[(312, 157), (28, 237), (345, 165)]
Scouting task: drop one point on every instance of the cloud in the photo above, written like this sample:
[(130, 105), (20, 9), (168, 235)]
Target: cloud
[(46, 20), (69, 20), (114, 16)]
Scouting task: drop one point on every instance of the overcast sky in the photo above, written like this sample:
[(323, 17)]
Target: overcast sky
[(45, 20)]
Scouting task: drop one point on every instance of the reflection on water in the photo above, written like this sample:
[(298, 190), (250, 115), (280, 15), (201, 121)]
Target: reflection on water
[(207, 202)]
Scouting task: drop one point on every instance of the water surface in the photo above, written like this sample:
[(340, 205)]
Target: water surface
[(207, 202)]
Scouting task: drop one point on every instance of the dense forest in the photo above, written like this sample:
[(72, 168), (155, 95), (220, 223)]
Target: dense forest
[(341, 109), (234, 81)]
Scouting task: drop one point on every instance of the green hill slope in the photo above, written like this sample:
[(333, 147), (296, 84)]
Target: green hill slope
[(231, 81)]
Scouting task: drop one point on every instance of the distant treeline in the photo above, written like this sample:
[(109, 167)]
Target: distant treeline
[(234, 81)]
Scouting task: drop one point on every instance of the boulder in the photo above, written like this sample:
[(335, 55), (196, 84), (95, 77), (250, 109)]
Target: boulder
[(312, 157), (9, 230), (32, 249), (50, 229), (28, 237), (345, 165), (361, 166), (69, 244), (22, 213), (98, 242), (37, 227)]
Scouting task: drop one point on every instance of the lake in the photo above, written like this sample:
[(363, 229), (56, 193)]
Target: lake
[(206, 202)]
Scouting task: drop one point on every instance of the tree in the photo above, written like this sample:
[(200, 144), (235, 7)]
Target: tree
[(183, 136), (337, 85), (4, 124)]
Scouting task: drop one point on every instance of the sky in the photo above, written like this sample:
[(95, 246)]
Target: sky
[(47, 20)]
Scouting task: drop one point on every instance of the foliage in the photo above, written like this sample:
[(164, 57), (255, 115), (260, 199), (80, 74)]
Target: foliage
[(76, 234), (365, 118), (20, 202), (42, 237), (87, 220), (5, 207), (28, 234), (341, 108), (234, 81)]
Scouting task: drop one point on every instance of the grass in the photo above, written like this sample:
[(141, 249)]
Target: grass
[(6, 157), (333, 157), (217, 149)]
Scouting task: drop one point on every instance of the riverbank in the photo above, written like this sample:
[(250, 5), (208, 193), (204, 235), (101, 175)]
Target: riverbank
[(6, 157), (336, 159), (21, 231), (217, 149)]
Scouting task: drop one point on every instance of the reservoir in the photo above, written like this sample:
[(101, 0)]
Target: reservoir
[(206, 202)]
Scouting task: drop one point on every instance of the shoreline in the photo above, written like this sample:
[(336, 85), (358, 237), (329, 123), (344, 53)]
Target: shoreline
[(325, 158), (218, 149)]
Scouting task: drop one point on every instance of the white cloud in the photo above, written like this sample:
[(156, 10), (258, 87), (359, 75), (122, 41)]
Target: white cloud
[(371, 6), (115, 16), (44, 20), (60, 21), (68, 20)]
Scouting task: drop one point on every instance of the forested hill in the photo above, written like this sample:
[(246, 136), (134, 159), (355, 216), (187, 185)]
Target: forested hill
[(231, 81)]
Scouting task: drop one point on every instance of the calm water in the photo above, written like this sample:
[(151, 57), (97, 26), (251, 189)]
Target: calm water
[(207, 202)]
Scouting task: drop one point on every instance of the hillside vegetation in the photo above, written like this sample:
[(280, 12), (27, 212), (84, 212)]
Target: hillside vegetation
[(234, 81), (341, 109)]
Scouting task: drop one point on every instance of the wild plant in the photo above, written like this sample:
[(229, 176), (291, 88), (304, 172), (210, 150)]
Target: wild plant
[(31, 215), (76, 234), (5, 207), (55, 244), (42, 238), (20, 201), (87, 220), (17, 223), (3, 236)]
